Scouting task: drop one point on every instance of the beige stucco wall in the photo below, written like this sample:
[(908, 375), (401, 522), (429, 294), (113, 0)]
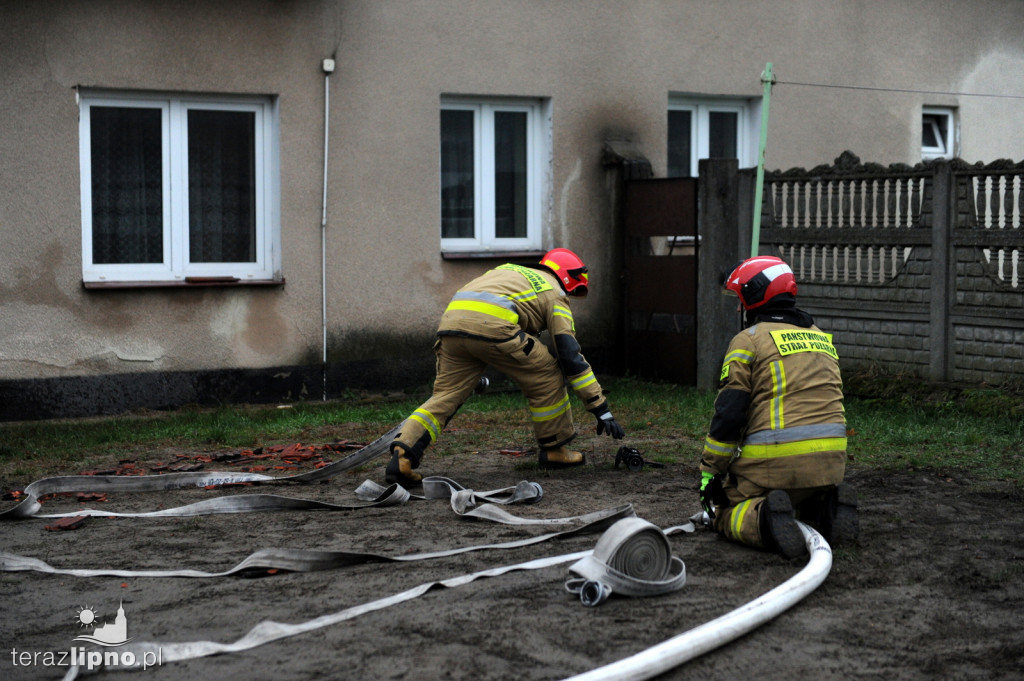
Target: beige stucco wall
[(608, 68)]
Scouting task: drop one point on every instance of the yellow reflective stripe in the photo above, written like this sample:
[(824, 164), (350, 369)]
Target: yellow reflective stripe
[(525, 295), (737, 518), (563, 311), (778, 393), (583, 381), (427, 420), (712, 446), (484, 308), (745, 356), (823, 444), (552, 412)]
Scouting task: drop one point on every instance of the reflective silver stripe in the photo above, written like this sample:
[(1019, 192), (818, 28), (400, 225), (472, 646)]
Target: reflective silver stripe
[(482, 296), (525, 295), (773, 437)]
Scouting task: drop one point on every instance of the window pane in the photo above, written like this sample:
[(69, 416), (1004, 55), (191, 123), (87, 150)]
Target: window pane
[(679, 130), (510, 174), (457, 181), (221, 186), (935, 133), (722, 134), (127, 185)]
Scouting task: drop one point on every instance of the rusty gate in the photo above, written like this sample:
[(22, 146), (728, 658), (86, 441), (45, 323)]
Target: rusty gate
[(660, 277)]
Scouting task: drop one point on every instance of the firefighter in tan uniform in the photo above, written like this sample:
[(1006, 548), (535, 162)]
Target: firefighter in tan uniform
[(776, 447), (494, 321)]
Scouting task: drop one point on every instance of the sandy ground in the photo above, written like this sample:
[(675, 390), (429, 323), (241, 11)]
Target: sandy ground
[(933, 590)]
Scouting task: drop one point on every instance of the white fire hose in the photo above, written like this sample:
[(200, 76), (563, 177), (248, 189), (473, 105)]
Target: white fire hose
[(632, 558), (705, 638)]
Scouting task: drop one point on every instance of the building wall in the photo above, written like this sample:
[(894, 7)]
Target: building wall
[(608, 68)]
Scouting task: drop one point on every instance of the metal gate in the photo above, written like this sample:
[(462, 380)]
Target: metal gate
[(660, 276)]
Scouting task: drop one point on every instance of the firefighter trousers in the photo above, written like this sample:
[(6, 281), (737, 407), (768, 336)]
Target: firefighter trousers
[(739, 518), (460, 362)]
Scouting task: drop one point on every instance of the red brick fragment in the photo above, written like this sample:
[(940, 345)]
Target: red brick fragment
[(68, 523)]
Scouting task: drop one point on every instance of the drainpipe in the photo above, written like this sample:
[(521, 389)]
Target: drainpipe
[(328, 68)]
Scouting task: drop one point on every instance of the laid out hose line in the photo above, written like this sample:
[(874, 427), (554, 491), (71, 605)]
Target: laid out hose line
[(268, 631), (311, 560), (705, 638), (644, 665), (464, 502), (622, 530), (29, 506), (646, 569)]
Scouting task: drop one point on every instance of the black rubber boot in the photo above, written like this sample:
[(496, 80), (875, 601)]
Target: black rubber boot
[(779, 531), (839, 521), (400, 468)]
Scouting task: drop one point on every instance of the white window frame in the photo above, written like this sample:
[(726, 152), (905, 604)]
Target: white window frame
[(176, 267), (700, 108), (948, 148), (537, 149)]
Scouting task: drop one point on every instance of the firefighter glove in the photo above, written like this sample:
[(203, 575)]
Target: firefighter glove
[(607, 423), (710, 486)]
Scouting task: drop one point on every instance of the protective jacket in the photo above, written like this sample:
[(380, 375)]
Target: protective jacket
[(779, 409)]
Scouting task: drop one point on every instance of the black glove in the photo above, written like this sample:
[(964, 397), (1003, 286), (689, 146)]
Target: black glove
[(606, 422), (710, 487)]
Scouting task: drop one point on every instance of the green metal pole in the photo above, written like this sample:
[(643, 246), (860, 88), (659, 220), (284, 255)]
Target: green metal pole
[(755, 237)]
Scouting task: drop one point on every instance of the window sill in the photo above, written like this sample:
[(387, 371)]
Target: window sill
[(188, 282), (491, 255)]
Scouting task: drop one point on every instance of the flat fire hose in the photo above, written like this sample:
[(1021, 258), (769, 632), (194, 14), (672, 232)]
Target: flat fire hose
[(622, 530), (29, 506), (308, 560), (465, 502), (644, 665), (268, 631), (632, 558), (370, 493)]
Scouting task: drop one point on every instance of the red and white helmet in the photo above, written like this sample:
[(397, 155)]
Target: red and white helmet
[(569, 269), (758, 280)]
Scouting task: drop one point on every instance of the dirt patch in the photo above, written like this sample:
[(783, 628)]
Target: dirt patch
[(932, 590)]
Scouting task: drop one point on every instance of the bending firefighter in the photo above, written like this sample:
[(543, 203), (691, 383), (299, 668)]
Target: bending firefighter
[(493, 321), (776, 447)]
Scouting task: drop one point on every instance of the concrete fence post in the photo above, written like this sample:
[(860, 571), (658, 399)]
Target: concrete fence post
[(943, 272), (718, 199)]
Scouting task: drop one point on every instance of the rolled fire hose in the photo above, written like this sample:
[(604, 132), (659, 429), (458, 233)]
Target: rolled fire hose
[(705, 638), (632, 558)]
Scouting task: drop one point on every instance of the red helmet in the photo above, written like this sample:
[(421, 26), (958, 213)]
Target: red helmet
[(758, 280), (569, 269)]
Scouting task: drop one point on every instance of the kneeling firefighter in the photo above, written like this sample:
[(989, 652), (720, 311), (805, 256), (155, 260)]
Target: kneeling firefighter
[(776, 447), (493, 321)]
